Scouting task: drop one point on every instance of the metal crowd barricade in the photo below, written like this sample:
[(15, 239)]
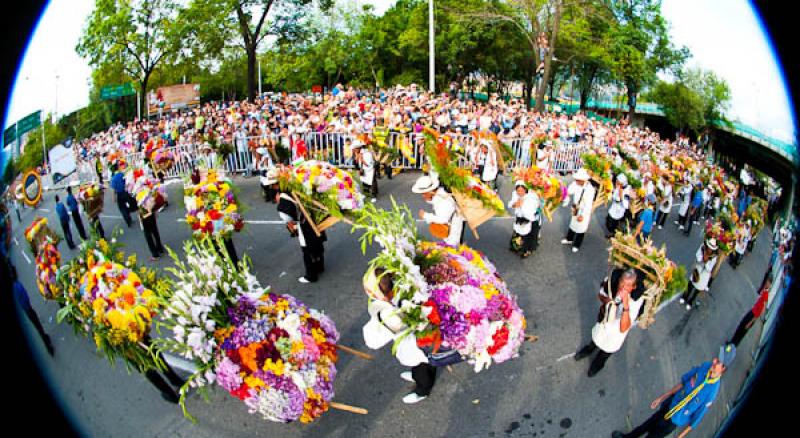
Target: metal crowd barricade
[(331, 147)]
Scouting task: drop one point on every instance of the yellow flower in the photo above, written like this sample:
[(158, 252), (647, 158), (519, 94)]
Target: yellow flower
[(281, 305), (275, 367), (297, 347), (318, 335), (489, 291), (116, 319), (231, 209), (254, 382)]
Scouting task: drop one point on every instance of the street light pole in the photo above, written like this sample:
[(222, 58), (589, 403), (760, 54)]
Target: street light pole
[(431, 48)]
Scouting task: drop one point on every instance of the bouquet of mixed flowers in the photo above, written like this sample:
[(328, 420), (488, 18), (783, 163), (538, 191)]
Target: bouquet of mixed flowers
[(456, 179), (332, 188), (38, 233), (756, 213), (673, 276), (725, 235), (114, 299), (211, 207), (268, 350), (161, 158), (91, 197), (549, 188), (149, 193), (47, 264), (445, 296)]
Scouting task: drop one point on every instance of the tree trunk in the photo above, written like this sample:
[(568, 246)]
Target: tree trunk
[(631, 102), (251, 73), (527, 92), (547, 59), (143, 92), (586, 86)]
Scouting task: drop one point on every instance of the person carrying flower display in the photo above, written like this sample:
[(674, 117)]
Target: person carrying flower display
[(685, 197), (367, 165), (445, 222), (705, 260), (63, 217), (664, 188), (22, 299), (151, 234), (527, 222), (620, 201), (646, 221), (311, 245), (72, 204), (743, 235), (486, 167), (621, 298), (582, 200)]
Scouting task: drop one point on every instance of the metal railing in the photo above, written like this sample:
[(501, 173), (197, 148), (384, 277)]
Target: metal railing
[(333, 147)]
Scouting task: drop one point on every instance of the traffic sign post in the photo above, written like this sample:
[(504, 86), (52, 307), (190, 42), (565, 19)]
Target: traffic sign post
[(116, 91)]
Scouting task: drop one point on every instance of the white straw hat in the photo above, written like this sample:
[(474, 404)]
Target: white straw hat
[(581, 175), (425, 184)]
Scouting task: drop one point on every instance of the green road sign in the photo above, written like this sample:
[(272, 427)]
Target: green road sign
[(115, 91), (29, 122), (9, 135)]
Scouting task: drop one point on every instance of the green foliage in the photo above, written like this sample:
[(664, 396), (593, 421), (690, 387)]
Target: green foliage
[(677, 284)]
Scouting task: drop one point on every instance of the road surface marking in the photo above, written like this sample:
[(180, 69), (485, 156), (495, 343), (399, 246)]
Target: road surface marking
[(26, 256), (566, 356), (108, 216)]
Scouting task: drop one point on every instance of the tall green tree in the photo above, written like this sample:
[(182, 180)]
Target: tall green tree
[(136, 35), (641, 46), (695, 101), (214, 26)]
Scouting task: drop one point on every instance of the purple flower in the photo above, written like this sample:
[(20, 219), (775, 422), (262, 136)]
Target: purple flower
[(453, 325), (228, 375)]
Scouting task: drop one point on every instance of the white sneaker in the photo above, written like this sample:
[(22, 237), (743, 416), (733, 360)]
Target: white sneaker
[(565, 242), (688, 307), (680, 227), (412, 398), (694, 222), (406, 375), (303, 280), (660, 227), (574, 249), (682, 301), (374, 200), (676, 222)]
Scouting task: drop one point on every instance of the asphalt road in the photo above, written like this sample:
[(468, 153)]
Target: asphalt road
[(542, 393)]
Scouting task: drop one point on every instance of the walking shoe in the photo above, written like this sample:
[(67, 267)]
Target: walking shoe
[(593, 371), (688, 307), (682, 301), (574, 250), (303, 280), (170, 397), (676, 223), (694, 222), (566, 242), (412, 398), (680, 227), (617, 434), (581, 355), (660, 227), (406, 375)]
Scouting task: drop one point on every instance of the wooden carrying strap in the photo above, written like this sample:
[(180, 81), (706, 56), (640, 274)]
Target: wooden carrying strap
[(326, 223), (348, 408)]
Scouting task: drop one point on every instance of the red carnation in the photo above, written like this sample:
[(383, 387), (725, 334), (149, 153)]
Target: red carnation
[(500, 339), (243, 392), (214, 215)]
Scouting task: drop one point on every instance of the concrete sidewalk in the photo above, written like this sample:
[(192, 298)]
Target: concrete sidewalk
[(542, 393)]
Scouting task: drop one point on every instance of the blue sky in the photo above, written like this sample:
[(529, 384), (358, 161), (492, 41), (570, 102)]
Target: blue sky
[(724, 36)]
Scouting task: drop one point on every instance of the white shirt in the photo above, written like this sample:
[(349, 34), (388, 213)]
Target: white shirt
[(528, 210), (619, 203), (666, 193), (607, 335), (367, 166), (583, 199), (444, 212), (704, 269)]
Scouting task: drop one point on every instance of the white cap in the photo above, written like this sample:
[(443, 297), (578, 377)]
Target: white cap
[(623, 179)]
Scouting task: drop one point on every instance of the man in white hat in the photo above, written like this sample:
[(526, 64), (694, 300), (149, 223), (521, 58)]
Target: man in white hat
[(580, 196), (705, 260), (445, 214), (366, 165), (620, 202)]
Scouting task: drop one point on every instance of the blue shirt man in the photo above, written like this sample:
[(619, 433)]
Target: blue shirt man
[(63, 217), (118, 182), (686, 404), (72, 203), (697, 200), (646, 220)]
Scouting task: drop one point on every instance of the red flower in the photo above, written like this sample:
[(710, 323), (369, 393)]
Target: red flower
[(242, 393), (433, 317), (214, 215), (500, 339), (238, 225), (209, 227), (195, 226)]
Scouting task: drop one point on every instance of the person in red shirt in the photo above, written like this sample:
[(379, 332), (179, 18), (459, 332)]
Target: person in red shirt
[(753, 314)]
